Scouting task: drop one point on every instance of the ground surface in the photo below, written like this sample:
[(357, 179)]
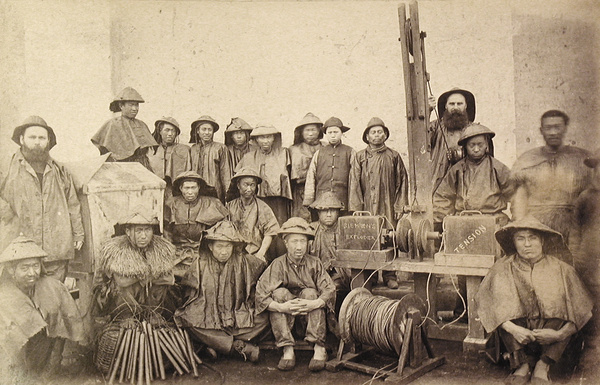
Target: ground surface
[(461, 368)]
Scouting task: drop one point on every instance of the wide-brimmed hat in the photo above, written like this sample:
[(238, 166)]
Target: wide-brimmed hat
[(236, 124), (21, 248), (137, 216), (200, 120), (469, 97), (474, 129), (127, 94), (553, 240), (375, 121), (309, 118), (264, 130), (296, 225), (224, 231), (30, 122), (205, 189), (327, 200), (158, 123), (334, 122), (593, 160), (245, 172)]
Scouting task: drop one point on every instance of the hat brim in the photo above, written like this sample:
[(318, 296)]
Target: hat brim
[(463, 141), (553, 239), (204, 188), (343, 128), (366, 132), (283, 233), (19, 130), (469, 97), (114, 105), (298, 132)]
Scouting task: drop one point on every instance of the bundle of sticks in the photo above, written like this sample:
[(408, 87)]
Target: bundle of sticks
[(143, 350)]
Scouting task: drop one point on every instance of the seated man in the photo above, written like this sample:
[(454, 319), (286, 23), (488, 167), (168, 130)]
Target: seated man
[(134, 271), (534, 300), (38, 313), (219, 309), (193, 208), (297, 284), (324, 246)]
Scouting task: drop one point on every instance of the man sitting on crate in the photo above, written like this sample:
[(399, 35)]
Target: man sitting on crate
[(477, 182), (134, 271), (220, 286), (534, 300), (297, 284), (38, 313)]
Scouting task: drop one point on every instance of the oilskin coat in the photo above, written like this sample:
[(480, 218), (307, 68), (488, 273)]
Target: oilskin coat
[(49, 214), (222, 295)]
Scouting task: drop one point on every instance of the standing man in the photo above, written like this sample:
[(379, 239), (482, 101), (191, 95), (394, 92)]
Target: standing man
[(297, 285), (307, 137), (549, 179), (209, 158), (38, 314), (457, 110), (330, 167), (169, 158), (272, 161), (253, 218), (237, 140), (42, 198), (125, 137), (379, 182)]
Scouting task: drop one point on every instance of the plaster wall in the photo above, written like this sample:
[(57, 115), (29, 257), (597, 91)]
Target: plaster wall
[(271, 62)]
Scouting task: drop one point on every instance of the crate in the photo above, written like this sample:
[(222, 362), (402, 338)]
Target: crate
[(360, 232)]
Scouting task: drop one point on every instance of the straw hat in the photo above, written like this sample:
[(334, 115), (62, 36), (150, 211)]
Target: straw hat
[(21, 248), (224, 231), (128, 94), (472, 130), (296, 225), (553, 240), (327, 200)]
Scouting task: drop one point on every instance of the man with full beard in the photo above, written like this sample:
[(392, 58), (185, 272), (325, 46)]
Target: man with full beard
[(457, 109), (39, 199)]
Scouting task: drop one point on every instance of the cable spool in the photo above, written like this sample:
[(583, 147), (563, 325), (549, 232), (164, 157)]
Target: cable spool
[(377, 321), (402, 232)]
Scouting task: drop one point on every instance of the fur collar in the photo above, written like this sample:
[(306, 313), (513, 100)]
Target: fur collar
[(119, 256)]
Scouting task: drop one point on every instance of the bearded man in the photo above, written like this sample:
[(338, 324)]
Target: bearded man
[(39, 198), (457, 110)]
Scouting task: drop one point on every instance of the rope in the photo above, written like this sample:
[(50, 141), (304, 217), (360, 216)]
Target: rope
[(372, 323)]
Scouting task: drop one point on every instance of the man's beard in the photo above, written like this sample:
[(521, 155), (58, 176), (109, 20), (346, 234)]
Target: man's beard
[(455, 120), (35, 154)]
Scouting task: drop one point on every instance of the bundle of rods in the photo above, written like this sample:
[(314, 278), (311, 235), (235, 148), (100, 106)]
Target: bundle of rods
[(143, 350), (372, 323)]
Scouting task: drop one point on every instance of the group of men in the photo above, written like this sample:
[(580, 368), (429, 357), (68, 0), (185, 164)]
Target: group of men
[(239, 252)]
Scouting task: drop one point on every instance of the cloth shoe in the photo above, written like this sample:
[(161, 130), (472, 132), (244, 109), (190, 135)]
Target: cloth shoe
[(286, 364), (247, 350)]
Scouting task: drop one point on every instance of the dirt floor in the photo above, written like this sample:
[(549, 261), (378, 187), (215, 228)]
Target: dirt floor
[(461, 368)]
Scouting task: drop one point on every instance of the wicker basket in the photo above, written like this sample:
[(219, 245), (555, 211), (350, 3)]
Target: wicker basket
[(107, 346)]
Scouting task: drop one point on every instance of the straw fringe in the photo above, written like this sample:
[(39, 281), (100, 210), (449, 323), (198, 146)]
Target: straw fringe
[(119, 256)]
